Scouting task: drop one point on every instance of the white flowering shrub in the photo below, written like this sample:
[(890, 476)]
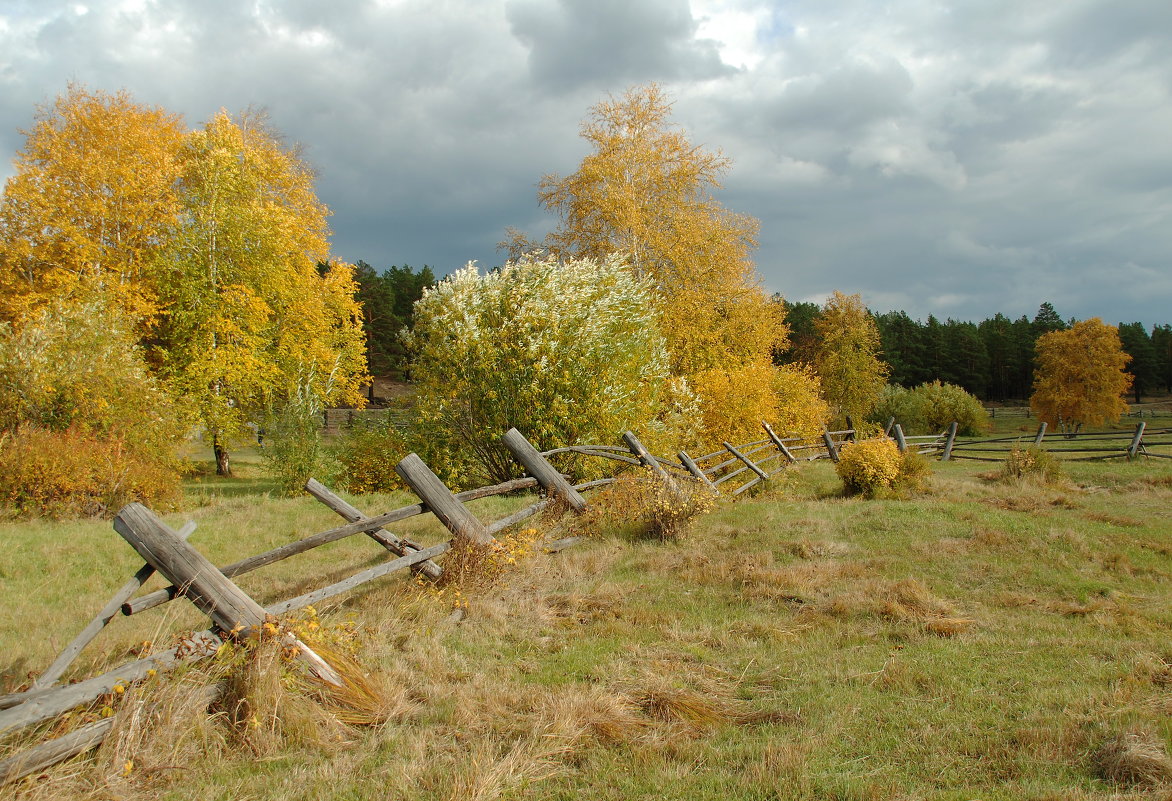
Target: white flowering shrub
[(568, 353)]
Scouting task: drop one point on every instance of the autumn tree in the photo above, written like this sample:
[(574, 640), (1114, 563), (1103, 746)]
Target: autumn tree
[(853, 375), (1080, 377), (645, 191), (91, 204), (251, 323)]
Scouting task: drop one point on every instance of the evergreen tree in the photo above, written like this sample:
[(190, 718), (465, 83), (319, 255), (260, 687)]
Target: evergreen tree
[(1143, 366)]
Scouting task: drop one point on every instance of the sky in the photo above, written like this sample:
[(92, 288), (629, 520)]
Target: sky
[(955, 158)]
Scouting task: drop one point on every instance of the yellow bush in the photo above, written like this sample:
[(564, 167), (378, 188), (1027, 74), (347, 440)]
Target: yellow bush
[(72, 472), (801, 409), (869, 466)]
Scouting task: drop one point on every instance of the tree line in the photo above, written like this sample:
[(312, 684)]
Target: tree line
[(994, 359)]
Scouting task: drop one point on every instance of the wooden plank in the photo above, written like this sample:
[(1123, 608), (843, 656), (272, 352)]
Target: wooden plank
[(539, 467), (761, 474), (944, 457), (828, 441), (213, 593), (789, 457), (645, 458), (112, 607), (351, 513), (402, 563), (58, 750), (210, 590), (1133, 449), (52, 701), (695, 470), (440, 500), (900, 441)]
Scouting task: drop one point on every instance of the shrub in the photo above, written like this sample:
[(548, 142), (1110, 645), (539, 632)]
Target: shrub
[(657, 509), (567, 353), (801, 410), (1030, 463), (72, 472), (868, 466), (930, 408), (294, 450), (366, 456)]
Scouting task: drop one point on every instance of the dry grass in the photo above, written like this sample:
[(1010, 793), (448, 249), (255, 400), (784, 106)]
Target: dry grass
[(1134, 758)]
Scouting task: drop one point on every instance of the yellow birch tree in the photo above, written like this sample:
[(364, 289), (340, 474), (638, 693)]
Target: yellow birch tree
[(91, 204), (251, 322), (1079, 378), (853, 375), (645, 191)]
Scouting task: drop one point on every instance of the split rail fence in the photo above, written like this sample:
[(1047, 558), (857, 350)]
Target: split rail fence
[(732, 470), (1075, 447)]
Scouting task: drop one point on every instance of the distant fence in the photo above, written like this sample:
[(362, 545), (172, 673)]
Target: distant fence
[(1081, 446), (1135, 411)]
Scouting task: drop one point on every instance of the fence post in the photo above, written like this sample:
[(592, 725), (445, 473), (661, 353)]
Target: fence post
[(900, 442), (441, 501), (1041, 433), (749, 464), (229, 607), (828, 441), (944, 457), (887, 428), (1137, 440), (789, 457), (352, 514), (539, 467), (695, 470), (850, 424)]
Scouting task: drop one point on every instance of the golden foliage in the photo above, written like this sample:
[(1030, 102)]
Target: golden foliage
[(251, 320), (1080, 376), (91, 204), (646, 191), (853, 375), (801, 409), (868, 466)]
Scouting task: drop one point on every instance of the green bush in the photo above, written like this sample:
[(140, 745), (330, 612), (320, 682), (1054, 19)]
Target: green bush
[(72, 472), (366, 457), (293, 447), (568, 353), (930, 408)]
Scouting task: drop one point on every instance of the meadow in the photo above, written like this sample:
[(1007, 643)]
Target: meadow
[(982, 639)]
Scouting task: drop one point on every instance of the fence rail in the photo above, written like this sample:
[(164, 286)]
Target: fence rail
[(735, 469), (1075, 446)]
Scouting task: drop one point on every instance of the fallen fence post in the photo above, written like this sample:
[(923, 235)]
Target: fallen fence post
[(351, 514), (229, 607), (789, 457), (900, 441), (693, 468), (749, 464), (539, 467), (828, 441), (944, 457), (440, 500), (1137, 440), (644, 457)]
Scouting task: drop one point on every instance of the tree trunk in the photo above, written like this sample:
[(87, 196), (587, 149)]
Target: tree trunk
[(223, 468)]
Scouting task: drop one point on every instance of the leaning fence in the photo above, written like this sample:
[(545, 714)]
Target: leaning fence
[(732, 470)]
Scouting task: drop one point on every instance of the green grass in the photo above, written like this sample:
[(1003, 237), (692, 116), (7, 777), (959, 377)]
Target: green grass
[(980, 641)]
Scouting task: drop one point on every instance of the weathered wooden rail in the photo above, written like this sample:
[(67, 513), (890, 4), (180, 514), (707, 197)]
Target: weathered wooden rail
[(733, 470), (1075, 447)]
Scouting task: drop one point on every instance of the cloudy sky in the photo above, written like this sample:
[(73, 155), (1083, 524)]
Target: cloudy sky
[(946, 157)]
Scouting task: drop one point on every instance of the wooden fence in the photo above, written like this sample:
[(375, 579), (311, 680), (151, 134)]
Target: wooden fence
[(732, 470), (1083, 446)]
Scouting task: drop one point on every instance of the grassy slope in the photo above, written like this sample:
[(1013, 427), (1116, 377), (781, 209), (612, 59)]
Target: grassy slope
[(977, 642)]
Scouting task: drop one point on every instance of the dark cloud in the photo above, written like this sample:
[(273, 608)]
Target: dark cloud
[(949, 158), (604, 43)]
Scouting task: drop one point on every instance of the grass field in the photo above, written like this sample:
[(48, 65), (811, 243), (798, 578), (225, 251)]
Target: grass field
[(983, 640)]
